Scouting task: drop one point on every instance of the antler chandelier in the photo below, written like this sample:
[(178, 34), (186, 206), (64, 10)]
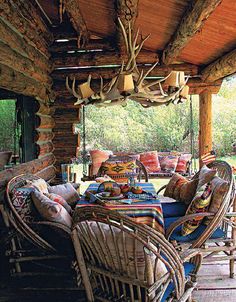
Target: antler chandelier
[(131, 84)]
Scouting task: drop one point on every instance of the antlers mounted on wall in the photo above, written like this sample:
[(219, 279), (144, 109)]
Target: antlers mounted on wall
[(131, 84)]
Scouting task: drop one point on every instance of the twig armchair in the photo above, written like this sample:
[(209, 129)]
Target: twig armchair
[(35, 241), (120, 260), (216, 232)]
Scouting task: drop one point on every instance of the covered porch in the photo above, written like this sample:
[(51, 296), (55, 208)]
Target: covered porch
[(44, 42)]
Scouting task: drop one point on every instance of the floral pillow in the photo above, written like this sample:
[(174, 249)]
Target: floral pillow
[(199, 204), (168, 163), (150, 161)]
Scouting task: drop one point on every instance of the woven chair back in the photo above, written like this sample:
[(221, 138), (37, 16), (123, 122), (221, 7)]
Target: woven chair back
[(125, 259)]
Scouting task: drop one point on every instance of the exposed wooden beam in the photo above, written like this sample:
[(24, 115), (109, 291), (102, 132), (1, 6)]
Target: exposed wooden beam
[(77, 21), (101, 58), (108, 73), (192, 21), (221, 68), (127, 11), (71, 45)]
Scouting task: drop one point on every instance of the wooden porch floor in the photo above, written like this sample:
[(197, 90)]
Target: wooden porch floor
[(214, 285)]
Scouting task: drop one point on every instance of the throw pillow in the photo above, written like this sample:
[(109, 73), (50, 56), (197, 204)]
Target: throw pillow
[(59, 199), (118, 170), (182, 163), (98, 157), (205, 176), (168, 163), (39, 184), (150, 161), (199, 204), (51, 210), (67, 191), (22, 202), (220, 188), (169, 191), (181, 189)]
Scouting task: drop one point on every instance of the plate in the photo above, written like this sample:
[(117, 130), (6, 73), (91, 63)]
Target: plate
[(110, 197)]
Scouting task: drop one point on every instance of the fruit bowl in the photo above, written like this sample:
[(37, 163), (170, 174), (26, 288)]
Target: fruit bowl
[(137, 190)]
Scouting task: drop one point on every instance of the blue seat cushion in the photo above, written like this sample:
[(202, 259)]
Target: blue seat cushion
[(173, 209), (188, 269), (177, 235)]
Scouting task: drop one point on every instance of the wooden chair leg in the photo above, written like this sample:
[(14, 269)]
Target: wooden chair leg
[(231, 267)]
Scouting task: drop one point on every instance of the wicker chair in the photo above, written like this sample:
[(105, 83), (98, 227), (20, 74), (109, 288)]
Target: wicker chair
[(141, 171), (219, 221), (34, 242), (109, 249)]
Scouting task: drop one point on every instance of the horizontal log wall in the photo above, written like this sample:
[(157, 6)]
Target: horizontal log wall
[(65, 141), (24, 42), (25, 69)]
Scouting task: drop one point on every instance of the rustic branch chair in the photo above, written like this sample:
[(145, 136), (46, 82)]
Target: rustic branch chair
[(33, 242), (110, 249), (218, 226), (141, 171)]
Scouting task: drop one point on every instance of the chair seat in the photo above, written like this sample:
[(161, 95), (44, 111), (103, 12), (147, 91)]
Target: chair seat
[(176, 235), (173, 209), (188, 269)]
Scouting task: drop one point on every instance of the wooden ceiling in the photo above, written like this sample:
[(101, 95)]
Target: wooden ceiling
[(197, 32)]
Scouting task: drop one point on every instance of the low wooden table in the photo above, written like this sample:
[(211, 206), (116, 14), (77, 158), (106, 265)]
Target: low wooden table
[(147, 211)]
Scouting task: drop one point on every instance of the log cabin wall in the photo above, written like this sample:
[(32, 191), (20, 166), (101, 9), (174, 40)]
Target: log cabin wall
[(25, 69)]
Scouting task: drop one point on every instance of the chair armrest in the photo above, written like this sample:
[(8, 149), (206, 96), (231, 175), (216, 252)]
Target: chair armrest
[(183, 219), (162, 188), (186, 255), (51, 224)]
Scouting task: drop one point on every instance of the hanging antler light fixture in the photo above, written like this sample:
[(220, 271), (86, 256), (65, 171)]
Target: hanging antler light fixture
[(131, 84)]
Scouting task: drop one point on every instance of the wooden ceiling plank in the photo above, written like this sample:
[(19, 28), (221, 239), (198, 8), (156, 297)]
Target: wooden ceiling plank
[(220, 68), (192, 21), (127, 11), (108, 73), (73, 11)]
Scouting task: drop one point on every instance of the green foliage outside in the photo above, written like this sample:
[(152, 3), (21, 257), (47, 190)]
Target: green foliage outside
[(134, 128), (7, 118)]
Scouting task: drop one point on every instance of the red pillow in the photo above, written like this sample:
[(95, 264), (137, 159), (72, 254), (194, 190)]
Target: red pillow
[(98, 157), (168, 163), (150, 161), (183, 162)]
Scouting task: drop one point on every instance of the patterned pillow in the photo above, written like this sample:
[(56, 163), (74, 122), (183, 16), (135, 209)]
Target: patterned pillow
[(199, 204), (59, 199), (40, 184), (220, 188), (51, 210), (150, 161), (67, 191), (181, 189), (182, 164), (22, 202), (168, 163), (117, 170), (98, 157), (205, 176)]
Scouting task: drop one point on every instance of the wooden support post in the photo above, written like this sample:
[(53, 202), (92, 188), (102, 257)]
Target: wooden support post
[(205, 123)]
